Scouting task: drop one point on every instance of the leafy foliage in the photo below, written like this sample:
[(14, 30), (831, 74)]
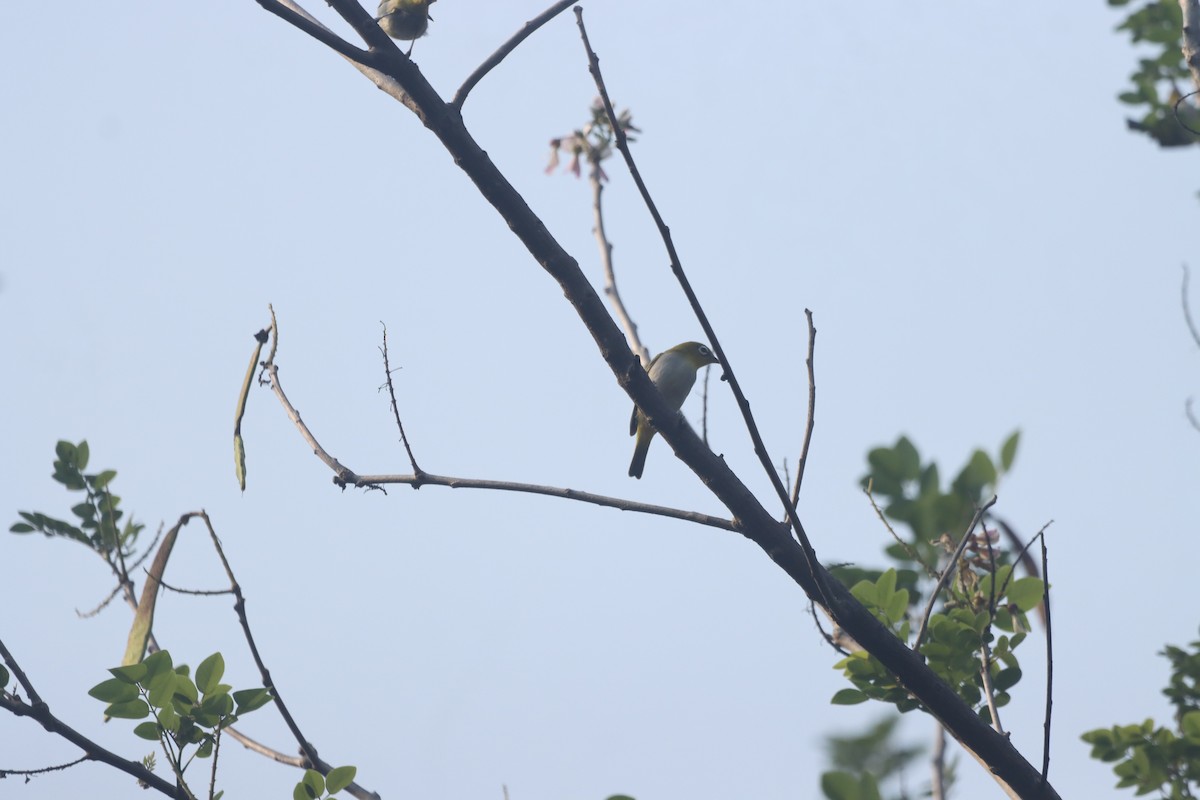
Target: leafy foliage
[(314, 785), (99, 515), (1160, 759), (971, 639), (1156, 83), (183, 713), (861, 763)]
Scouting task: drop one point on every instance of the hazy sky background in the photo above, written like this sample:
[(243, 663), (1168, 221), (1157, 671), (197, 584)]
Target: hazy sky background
[(949, 187)]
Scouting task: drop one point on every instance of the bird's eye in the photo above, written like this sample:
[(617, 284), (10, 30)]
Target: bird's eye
[(704, 351)]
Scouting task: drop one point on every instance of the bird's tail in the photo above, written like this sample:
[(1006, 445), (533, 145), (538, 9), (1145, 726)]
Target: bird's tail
[(639, 457)]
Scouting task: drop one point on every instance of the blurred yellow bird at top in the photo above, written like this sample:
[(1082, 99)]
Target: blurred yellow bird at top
[(404, 19), (674, 373)]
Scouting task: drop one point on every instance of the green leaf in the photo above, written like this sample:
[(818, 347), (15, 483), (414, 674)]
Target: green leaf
[(168, 719), (339, 778), (839, 786), (132, 674), (218, 704), (114, 690), (1008, 451), (314, 781), (908, 461), (103, 479), (21, 527), (866, 593), (886, 585), (1026, 593), (161, 688), (250, 699), (147, 730), (185, 689), (1189, 725), (209, 673), (848, 697), (158, 662), (82, 454), (3, 676), (134, 709), (1007, 678)]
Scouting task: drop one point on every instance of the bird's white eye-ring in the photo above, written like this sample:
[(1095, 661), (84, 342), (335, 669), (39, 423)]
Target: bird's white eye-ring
[(704, 351)]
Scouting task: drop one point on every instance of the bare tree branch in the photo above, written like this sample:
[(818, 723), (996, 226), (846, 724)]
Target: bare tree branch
[(492, 61), (387, 371), (751, 519), (812, 409)]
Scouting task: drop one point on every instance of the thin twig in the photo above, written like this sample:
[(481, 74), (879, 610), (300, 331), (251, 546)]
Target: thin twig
[(295, 15), (310, 753), (909, 550), (103, 604), (387, 371), (342, 474), (1187, 309), (1049, 658), (829, 638), (985, 650), (610, 278), (193, 592), (18, 673), (937, 784), (429, 479), (812, 408), (951, 567), (760, 447), (989, 692), (492, 61), (6, 772)]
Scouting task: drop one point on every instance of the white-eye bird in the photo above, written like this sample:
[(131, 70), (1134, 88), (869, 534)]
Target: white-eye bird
[(674, 373), (404, 19)]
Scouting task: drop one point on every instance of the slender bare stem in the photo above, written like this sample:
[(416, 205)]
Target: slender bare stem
[(1049, 659), (387, 371), (951, 569), (492, 61), (937, 783), (610, 276), (812, 408), (309, 752)]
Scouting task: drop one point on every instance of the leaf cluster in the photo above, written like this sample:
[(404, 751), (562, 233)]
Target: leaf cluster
[(982, 617), (99, 515), (185, 713), (1155, 84), (1152, 758)]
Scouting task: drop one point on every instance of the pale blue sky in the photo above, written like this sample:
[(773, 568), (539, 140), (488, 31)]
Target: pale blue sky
[(950, 188)]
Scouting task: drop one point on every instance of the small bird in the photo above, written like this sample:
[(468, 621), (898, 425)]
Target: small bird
[(674, 373), (404, 19)]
